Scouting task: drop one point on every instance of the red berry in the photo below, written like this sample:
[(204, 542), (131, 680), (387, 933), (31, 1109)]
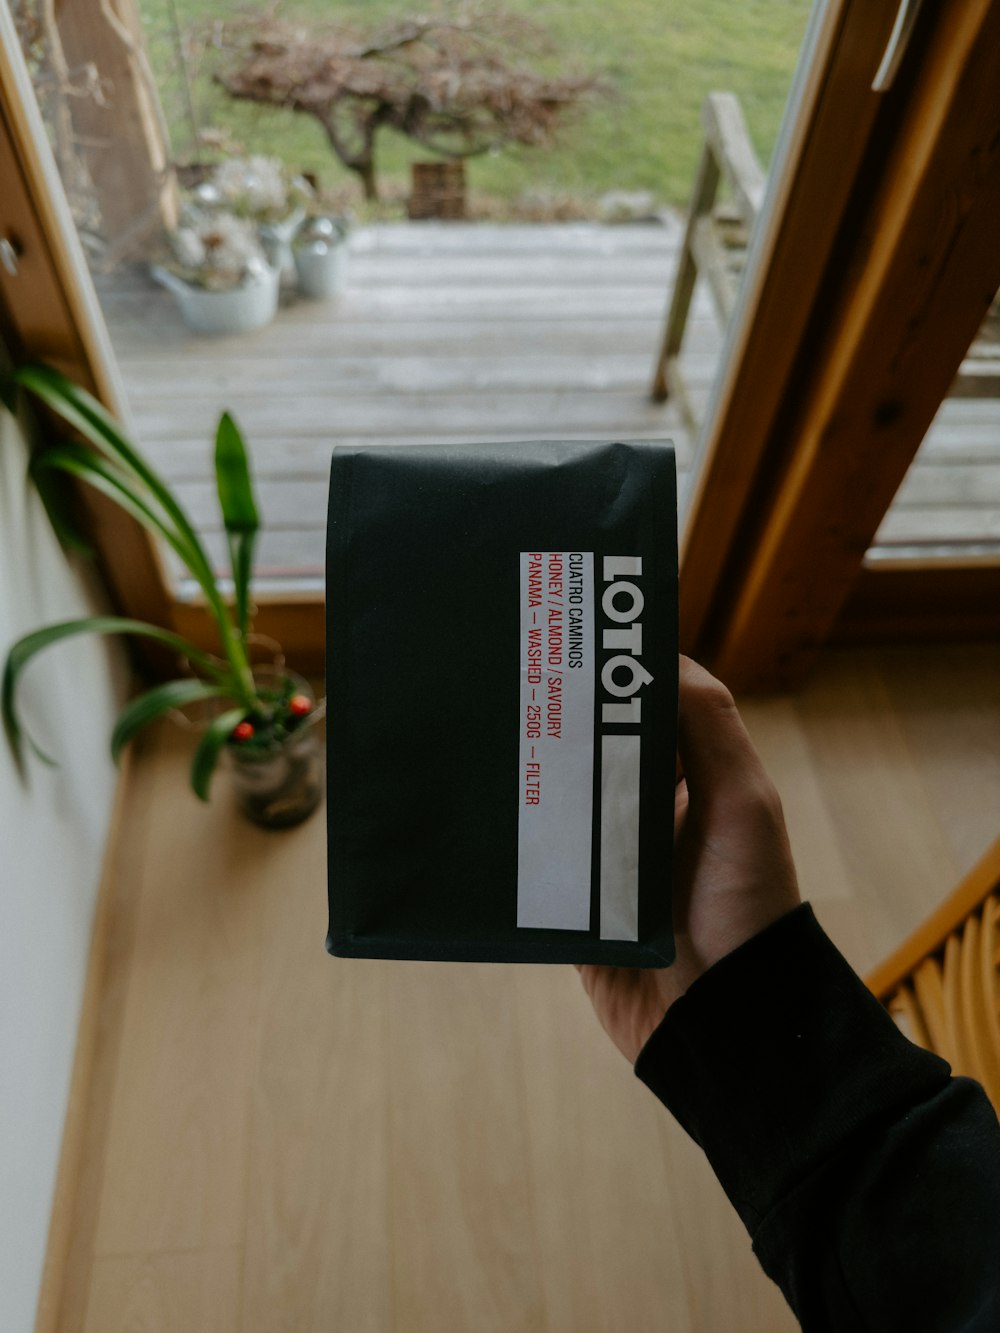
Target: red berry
[(243, 731), (299, 705)]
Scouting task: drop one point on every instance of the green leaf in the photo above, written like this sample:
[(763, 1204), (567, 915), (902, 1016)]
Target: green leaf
[(154, 703), (239, 511), (81, 410), (232, 474), (241, 546), (105, 476), (25, 649), (90, 417), (206, 756), (55, 498)]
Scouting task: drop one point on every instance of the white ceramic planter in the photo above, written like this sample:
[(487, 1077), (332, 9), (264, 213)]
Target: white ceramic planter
[(238, 310)]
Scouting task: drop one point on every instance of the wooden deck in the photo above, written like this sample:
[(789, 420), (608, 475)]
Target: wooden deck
[(471, 332)]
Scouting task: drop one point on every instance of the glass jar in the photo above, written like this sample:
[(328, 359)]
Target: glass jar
[(281, 784)]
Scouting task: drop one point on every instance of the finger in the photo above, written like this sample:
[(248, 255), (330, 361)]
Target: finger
[(714, 746), (680, 808)]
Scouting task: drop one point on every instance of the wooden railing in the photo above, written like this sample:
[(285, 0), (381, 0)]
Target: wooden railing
[(717, 235)]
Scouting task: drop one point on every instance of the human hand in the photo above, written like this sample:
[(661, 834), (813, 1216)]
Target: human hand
[(733, 870)]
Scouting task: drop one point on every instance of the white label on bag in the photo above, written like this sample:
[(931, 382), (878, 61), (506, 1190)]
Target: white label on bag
[(623, 679), (619, 837), (565, 659), (556, 752)]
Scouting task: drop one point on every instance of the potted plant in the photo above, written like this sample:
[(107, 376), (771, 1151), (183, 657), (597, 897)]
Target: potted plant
[(262, 191), (221, 275), (262, 716)]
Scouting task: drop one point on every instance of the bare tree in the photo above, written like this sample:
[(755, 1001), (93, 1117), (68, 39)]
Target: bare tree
[(460, 83)]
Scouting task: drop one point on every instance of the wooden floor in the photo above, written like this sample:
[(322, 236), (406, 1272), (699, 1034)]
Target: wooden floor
[(450, 332), (279, 1141)]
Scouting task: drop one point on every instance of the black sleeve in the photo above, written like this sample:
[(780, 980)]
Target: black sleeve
[(868, 1177)]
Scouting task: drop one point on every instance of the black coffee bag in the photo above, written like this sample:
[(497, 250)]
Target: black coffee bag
[(502, 702)]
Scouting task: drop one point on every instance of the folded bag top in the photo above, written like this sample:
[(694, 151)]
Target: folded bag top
[(502, 701)]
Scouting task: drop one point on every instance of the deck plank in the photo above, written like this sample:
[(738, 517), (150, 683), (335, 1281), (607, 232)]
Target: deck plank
[(452, 332)]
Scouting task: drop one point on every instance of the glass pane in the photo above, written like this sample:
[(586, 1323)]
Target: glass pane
[(538, 315), (949, 504)]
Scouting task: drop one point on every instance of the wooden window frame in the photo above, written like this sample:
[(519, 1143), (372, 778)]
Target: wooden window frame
[(876, 266), (907, 600), (49, 312)]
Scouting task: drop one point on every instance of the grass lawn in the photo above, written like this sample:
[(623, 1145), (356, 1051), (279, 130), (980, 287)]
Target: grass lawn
[(662, 57)]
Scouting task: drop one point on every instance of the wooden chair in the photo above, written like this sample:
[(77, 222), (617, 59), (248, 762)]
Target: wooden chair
[(717, 234), (943, 984)]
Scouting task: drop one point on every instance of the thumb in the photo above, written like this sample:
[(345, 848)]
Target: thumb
[(715, 749)]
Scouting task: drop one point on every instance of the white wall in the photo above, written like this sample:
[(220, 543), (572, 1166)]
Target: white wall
[(52, 837)]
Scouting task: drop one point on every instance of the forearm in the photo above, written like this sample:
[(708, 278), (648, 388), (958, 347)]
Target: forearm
[(867, 1177)]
